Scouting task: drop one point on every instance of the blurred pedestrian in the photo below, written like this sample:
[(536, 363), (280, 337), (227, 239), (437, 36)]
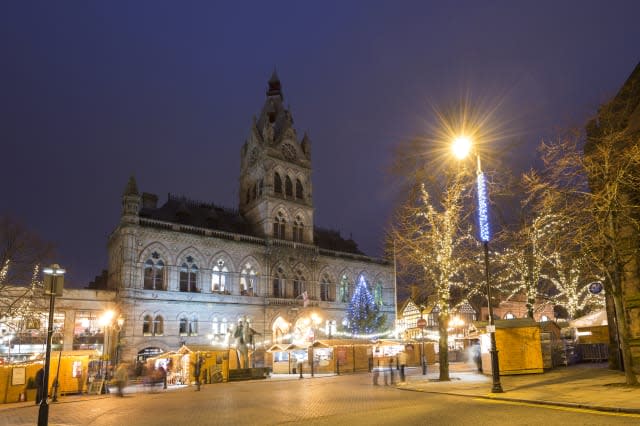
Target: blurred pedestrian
[(40, 388), (391, 371), (402, 359), (376, 375), (121, 378)]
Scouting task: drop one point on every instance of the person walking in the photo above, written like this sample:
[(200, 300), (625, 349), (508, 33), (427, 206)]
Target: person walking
[(40, 386), (402, 359), (122, 377), (391, 371)]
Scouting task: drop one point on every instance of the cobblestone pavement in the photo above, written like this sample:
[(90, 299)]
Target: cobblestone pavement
[(334, 400)]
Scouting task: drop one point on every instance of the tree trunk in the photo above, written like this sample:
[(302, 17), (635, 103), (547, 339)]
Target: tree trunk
[(443, 346), (616, 287)]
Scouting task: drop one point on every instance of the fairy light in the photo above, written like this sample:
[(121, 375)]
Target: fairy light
[(483, 210)]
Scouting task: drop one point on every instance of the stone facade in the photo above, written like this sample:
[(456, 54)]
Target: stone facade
[(186, 272)]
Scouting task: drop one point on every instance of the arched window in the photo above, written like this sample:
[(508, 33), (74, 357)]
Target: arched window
[(330, 328), (247, 280), (277, 184), (297, 229), (158, 326), (154, 273), (298, 284), (189, 276), (509, 315), (183, 326), (215, 326), (299, 190), (147, 326), (278, 283), (279, 226), (288, 187), (377, 294), (325, 284), (224, 327), (219, 277), (255, 191), (193, 326), (343, 290), (261, 187)]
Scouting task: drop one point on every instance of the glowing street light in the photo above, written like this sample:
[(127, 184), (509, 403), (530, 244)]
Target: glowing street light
[(461, 148), (53, 285)]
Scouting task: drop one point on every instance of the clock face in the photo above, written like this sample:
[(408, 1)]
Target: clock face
[(289, 151)]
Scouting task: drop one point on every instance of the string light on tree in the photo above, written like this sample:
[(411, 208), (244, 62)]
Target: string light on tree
[(363, 314)]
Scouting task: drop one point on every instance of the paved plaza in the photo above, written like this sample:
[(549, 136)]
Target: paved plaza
[(353, 399)]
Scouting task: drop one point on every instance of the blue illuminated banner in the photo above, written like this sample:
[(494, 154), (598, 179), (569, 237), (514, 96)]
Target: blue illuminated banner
[(483, 209)]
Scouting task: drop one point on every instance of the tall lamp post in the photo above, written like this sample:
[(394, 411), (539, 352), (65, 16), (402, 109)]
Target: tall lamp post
[(461, 148), (108, 322), (315, 322), (422, 323), (53, 285)]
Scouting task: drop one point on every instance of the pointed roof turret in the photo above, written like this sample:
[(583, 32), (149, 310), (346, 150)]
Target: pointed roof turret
[(275, 88), (132, 187)]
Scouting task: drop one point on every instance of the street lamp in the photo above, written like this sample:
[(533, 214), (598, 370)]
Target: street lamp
[(53, 285), (422, 323), (108, 322), (315, 322), (461, 147)]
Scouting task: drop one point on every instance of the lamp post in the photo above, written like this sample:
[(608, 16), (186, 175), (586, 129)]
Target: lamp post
[(315, 321), (56, 381), (461, 148), (53, 285), (422, 323)]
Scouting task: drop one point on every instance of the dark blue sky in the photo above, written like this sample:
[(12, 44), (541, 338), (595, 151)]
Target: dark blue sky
[(92, 92)]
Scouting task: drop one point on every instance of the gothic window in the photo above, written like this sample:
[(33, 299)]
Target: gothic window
[(215, 326), (277, 184), (299, 191), (298, 284), (193, 326), (154, 275), (219, 277), (324, 288), (279, 226), (331, 327), (288, 187), (255, 191), (278, 283), (297, 229), (343, 290), (224, 327), (377, 294), (247, 280), (158, 326), (261, 187), (183, 326), (147, 324), (189, 276)]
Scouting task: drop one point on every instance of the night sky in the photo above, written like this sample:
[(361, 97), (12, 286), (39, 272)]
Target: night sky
[(93, 92)]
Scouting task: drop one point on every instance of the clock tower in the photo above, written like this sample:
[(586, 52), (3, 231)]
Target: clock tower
[(275, 174)]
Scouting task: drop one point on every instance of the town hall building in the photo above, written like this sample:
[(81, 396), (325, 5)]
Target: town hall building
[(186, 271)]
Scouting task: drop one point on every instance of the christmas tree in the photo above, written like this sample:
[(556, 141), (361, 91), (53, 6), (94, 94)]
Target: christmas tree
[(363, 314)]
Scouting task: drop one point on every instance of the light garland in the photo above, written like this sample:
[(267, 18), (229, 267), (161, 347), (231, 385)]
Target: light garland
[(483, 210)]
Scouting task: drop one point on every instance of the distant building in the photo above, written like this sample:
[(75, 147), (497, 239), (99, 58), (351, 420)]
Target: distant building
[(187, 271)]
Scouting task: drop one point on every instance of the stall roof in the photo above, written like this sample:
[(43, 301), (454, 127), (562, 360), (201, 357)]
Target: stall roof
[(594, 319), (278, 347)]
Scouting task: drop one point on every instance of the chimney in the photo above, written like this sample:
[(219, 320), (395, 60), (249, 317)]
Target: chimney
[(149, 201)]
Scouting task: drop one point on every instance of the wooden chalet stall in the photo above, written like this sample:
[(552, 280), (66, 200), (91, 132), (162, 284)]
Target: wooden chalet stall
[(518, 344), (180, 365)]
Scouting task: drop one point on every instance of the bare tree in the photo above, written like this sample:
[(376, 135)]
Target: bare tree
[(591, 192)]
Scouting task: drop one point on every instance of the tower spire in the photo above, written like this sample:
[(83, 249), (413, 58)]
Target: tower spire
[(275, 88)]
